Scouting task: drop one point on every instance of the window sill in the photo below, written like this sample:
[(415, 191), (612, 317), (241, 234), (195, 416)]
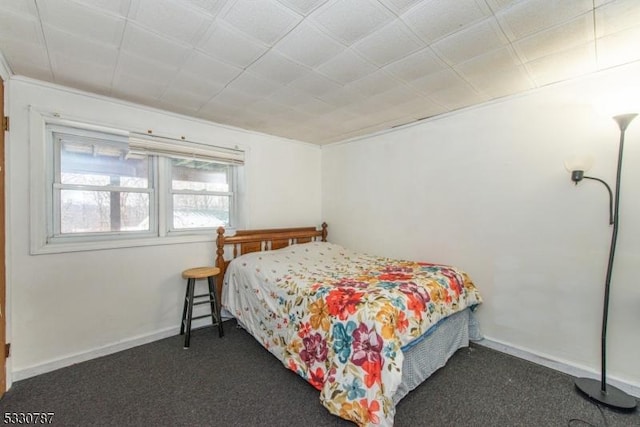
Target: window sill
[(81, 246)]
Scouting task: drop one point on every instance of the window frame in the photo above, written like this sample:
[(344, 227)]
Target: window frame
[(54, 233), (42, 240), (170, 192)]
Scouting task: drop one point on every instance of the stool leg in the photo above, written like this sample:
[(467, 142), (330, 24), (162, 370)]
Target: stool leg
[(215, 310), (190, 292), (184, 309)]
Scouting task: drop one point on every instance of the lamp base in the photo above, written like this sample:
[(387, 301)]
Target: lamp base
[(613, 397)]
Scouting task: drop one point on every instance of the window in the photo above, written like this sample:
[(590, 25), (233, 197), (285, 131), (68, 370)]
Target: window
[(98, 187), (112, 189), (201, 194)]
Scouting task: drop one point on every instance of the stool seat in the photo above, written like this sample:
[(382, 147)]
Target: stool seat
[(210, 298), (200, 272)]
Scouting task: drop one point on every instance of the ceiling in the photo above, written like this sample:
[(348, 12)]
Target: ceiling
[(315, 70)]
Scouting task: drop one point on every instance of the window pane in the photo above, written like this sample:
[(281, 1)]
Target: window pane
[(198, 175), (101, 164), (200, 211), (103, 211)]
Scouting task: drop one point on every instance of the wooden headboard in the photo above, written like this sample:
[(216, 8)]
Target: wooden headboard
[(247, 241)]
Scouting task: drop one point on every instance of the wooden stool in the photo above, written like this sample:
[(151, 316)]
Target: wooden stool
[(192, 275)]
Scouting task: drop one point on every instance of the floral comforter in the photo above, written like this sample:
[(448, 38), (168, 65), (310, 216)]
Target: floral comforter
[(341, 319)]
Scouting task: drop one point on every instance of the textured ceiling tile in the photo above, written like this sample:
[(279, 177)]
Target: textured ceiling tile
[(375, 83), (366, 109), (234, 99), (242, 121), (300, 133), (118, 7), (563, 65), (497, 5), (73, 70), (395, 119), (172, 19), (438, 81), (334, 120), (303, 7), (22, 27), (417, 65), (143, 43), (388, 44), (145, 69), (209, 69), (357, 125), (475, 40), (394, 96), (351, 20), (314, 84), (315, 106), (342, 96), (217, 111), (211, 6), (289, 96), (436, 19), (420, 108), (194, 84), (456, 97), (28, 59), (501, 82), (190, 99), (182, 106), (557, 39), (230, 46), (24, 7), (81, 20), (346, 67), (528, 17), (619, 48), (276, 67), (359, 122), (265, 21), (293, 116), (253, 85), (617, 16), (270, 109), (499, 59), (180, 55), (132, 88), (308, 46), (77, 82), (400, 6), (79, 62)]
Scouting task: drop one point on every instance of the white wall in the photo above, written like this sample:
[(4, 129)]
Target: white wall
[(71, 306), (485, 189)]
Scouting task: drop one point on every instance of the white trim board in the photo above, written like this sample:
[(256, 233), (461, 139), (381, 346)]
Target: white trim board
[(576, 371)]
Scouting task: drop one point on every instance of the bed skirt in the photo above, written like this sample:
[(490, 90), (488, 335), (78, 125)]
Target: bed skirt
[(432, 353)]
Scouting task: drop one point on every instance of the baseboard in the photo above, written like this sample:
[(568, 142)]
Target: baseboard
[(65, 361), (549, 362)]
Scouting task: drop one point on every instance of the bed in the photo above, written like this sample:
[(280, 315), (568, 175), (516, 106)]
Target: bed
[(363, 330)]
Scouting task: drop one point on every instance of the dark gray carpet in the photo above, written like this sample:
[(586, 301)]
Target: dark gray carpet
[(232, 381)]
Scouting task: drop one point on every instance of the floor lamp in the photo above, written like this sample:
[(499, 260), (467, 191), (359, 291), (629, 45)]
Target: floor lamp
[(598, 390)]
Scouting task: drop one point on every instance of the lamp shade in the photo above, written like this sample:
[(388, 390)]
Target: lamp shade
[(579, 163)]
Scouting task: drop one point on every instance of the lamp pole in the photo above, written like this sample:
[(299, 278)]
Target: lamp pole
[(599, 390)]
